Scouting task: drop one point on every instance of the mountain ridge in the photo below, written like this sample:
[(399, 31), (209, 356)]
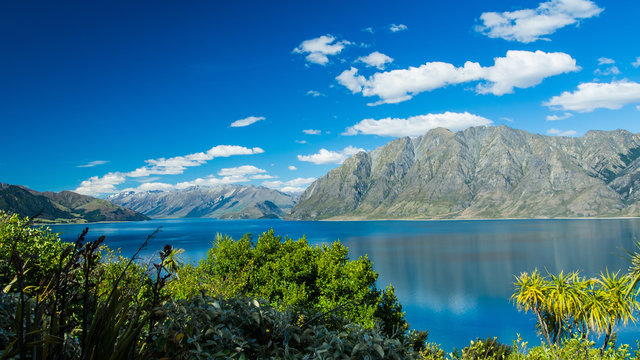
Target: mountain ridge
[(482, 172), (230, 201), (62, 207)]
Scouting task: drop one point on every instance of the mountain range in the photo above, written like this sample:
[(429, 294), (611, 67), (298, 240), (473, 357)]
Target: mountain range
[(65, 206), (223, 202), (482, 172)]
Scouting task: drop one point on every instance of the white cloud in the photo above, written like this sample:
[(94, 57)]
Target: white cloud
[(416, 125), (314, 93), (301, 141), (152, 186), (636, 63), (518, 69), (241, 170), (369, 30), (292, 168), (638, 107), (605, 61), (292, 186), (161, 166), (375, 59), (93, 163), (325, 156), (100, 185), (312, 132), (396, 28), (178, 164), (591, 96), (262, 177), (211, 181), (318, 49), (555, 117), (557, 132), (528, 25), (247, 121), (613, 70)]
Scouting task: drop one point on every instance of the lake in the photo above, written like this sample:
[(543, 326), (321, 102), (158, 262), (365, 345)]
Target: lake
[(453, 277)]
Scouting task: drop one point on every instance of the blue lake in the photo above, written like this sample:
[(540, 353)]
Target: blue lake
[(453, 278)]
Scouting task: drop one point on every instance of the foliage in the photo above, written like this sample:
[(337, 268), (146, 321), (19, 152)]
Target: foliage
[(240, 327), (293, 274), (569, 306), (39, 247)]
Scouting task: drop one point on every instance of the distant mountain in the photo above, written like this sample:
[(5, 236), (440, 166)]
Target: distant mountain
[(65, 206), (483, 172), (223, 202)]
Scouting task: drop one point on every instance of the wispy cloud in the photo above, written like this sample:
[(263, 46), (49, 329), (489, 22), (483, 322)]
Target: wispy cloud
[(518, 69), (314, 93), (106, 184), (555, 117), (416, 125), (369, 30), (325, 156), (529, 25), (312, 132), (241, 170), (319, 49), (247, 121), (292, 186), (398, 27), (93, 164), (605, 61), (591, 96), (292, 168), (556, 132), (636, 63), (375, 59)]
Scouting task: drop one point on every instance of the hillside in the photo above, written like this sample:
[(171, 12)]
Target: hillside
[(482, 172), (223, 202), (65, 206)]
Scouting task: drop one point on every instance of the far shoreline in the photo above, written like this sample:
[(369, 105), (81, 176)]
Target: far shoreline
[(356, 219)]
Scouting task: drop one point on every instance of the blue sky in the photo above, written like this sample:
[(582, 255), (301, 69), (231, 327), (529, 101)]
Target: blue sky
[(100, 97)]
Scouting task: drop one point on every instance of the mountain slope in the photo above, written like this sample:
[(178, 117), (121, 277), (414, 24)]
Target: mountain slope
[(224, 201), (483, 172), (65, 206)]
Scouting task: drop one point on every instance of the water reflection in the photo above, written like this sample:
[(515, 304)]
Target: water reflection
[(453, 278)]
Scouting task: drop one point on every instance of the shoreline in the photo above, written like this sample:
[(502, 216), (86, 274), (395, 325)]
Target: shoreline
[(358, 220)]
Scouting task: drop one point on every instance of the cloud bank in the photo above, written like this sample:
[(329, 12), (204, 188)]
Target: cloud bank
[(416, 125), (518, 69), (325, 156), (591, 96), (162, 166), (529, 25)]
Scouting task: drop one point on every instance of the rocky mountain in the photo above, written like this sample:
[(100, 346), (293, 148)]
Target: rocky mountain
[(223, 202), (65, 206), (483, 172)]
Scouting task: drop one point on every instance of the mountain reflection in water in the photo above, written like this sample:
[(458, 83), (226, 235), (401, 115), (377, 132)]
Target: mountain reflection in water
[(453, 278)]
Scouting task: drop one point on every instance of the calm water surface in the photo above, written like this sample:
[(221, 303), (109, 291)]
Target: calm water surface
[(453, 278)]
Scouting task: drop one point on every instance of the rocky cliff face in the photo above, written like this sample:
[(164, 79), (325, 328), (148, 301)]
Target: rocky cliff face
[(483, 172), (225, 201)]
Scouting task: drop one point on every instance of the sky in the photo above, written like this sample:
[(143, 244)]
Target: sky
[(100, 97)]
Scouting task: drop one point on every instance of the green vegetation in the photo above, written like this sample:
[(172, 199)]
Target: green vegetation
[(269, 299)]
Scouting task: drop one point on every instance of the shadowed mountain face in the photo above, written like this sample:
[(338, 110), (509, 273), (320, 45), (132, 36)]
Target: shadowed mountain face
[(483, 172), (224, 202), (65, 206)]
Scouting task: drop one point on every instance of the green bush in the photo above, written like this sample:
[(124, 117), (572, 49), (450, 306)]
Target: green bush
[(293, 274)]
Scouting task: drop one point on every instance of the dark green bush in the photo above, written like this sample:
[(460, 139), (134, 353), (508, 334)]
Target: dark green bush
[(293, 274)]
